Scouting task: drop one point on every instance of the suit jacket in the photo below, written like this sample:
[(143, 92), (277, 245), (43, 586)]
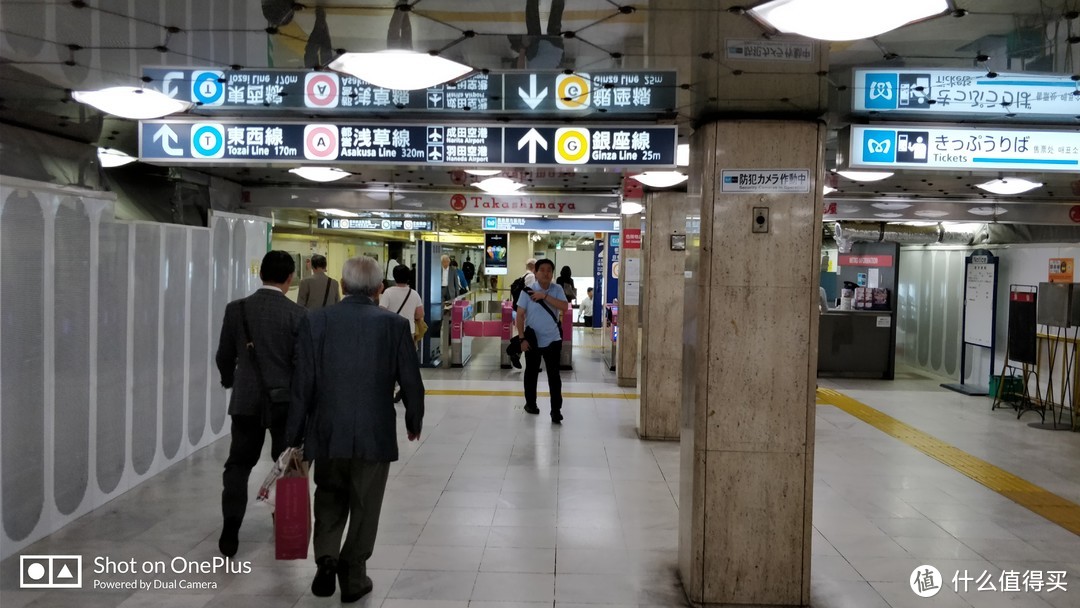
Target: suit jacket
[(312, 290), (274, 321), (348, 358)]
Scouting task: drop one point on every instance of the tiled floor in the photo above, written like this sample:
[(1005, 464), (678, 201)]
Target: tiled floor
[(498, 509)]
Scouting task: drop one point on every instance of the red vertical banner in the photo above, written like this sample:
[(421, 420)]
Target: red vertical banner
[(632, 238)]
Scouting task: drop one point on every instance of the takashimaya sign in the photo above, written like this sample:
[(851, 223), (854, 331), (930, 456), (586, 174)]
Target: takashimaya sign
[(612, 93), (971, 149), (934, 92), (225, 142)]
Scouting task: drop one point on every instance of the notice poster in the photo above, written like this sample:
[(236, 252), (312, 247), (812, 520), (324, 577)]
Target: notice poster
[(495, 252)]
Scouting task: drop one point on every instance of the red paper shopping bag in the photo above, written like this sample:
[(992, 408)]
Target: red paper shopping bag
[(292, 514)]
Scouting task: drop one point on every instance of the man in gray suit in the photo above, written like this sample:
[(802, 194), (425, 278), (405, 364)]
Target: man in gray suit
[(348, 358), (255, 358), (318, 290)]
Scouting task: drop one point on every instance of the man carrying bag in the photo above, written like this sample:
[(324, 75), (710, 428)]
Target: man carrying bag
[(540, 336), (255, 359)]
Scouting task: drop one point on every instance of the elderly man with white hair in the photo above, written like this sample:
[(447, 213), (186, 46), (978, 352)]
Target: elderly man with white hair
[(348, 358)]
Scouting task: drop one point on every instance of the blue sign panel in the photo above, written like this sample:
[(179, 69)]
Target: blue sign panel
[(180, 141), (553, 225), (964, 92)]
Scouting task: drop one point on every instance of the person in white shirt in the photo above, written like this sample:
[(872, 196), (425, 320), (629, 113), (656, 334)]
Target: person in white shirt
[(585, 306), (530, 271), (403, 299)]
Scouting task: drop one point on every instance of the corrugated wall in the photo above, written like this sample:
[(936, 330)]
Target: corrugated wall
[(107, 332)]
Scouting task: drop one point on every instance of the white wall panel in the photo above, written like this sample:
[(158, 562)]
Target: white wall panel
[(107, 336)]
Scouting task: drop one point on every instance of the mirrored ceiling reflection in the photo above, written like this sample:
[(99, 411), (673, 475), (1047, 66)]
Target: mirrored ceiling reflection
[(49, 47)]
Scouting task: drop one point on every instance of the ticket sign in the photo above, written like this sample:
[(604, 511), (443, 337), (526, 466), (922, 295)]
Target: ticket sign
[(335, 223), (972, 149), (183, 142), (952, 92), (606, 93)]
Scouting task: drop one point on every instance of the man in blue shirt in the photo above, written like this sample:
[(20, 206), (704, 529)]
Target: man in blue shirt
[(538, 327)]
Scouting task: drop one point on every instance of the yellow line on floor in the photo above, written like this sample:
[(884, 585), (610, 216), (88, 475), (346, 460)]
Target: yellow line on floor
[(478, 393), (1058, 510)]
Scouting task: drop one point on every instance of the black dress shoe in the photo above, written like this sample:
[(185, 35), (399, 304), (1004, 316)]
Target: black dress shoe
[(531, 409), (229, 542), (325, 583), (343, 579), (556, 417)]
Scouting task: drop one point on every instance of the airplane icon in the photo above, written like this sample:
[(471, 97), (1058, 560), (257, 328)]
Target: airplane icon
[(435, 135), (435, 153)]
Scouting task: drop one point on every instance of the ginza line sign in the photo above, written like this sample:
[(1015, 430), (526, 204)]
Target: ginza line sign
[(179, 141)]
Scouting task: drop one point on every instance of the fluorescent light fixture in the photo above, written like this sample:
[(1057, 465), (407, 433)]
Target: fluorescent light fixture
[(338, 212), (320, 174), (631, 208), (847, 209), (400, 70), (660, 179), (987, 210), (483, 172), (682, 155), (1009, 185), (499, 185), (890, 206), (844, 19), (866, 176), (888, 216), (828, 190), (109, 158), (132, 102), (931, 213)]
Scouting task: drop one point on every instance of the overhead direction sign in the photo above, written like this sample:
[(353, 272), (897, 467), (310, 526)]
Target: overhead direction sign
[(183, 142), (337, 223), (971, 149), (610, 94), (958, 92), (517, 223)]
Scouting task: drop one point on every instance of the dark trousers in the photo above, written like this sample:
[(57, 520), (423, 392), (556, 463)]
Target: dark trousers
[(248, 435), (550, 355), (349, 490), (587, 320)]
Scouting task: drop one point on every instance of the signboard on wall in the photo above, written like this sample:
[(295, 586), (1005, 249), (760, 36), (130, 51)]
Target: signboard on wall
[(1062, 270), (532, 224), (942, 93), (496, 252), (765, 181), (868, 261), (973, 149)]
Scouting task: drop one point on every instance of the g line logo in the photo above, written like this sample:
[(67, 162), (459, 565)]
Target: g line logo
[(572, 146), (572, 91)]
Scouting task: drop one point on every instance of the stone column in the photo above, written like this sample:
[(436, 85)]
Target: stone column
[(750, 356), (662, 315), (628, 346)]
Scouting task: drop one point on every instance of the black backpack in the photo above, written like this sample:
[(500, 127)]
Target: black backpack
[(517, 287)]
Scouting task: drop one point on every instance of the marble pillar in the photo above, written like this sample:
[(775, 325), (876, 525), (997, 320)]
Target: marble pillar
[(662, 315), (750, 353)]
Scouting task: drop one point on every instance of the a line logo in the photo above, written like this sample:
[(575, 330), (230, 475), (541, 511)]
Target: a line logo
[(50, 572)]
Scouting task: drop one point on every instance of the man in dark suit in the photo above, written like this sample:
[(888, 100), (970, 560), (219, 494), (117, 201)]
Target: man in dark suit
[(318, 290), (255, 358), (348, 358)]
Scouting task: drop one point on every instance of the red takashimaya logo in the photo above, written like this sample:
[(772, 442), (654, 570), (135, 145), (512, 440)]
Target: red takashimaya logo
[(1074, 214), (457, 202)]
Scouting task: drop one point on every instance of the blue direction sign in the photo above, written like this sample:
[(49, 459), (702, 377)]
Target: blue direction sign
[(508, 223), (182, 142), (610, 94)]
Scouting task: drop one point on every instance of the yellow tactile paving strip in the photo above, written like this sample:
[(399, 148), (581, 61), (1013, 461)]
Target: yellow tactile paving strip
[(1058, 510), (479, 393)]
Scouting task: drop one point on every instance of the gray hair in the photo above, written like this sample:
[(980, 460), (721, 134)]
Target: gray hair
[(530, 264), (361, 276)]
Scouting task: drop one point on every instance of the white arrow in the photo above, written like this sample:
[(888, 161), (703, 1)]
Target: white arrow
[(532, 138), (532, 98), (167, 135), (166, 83), (325, 222)]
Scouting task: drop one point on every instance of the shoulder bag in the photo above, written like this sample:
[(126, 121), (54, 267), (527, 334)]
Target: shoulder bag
[(279, 396)]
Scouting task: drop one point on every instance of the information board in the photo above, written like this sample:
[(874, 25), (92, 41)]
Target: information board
[(979, 301), (223, 142)]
